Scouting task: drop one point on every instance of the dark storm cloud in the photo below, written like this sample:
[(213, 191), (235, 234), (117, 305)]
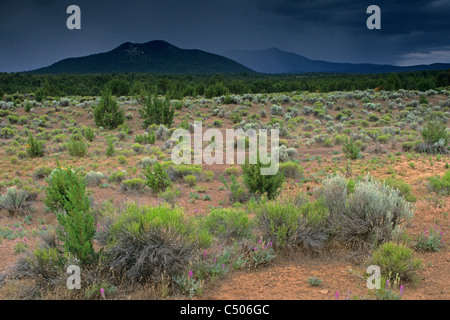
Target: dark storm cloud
[(408, 27), (34, 34)]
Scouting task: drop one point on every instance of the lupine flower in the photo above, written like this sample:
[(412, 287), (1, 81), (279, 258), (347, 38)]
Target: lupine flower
[(387, 284), (337, 295), (223, 266), (190, 274), (402, 289), (102, 292)]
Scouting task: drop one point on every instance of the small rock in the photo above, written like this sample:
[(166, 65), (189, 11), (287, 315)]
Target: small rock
[(323, 291)]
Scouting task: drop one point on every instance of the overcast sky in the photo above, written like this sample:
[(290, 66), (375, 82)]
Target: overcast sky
[(33, 33)]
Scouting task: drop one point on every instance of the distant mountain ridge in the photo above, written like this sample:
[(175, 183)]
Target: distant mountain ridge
[(274, 60), (161, 57), (152, 57)]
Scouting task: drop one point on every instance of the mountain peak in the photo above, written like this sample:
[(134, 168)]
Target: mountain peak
[(155, 56)]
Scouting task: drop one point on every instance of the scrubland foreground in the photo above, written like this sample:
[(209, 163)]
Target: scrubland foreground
[(88, 182)]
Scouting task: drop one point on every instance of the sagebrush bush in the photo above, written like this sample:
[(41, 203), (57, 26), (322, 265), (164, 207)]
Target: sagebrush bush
[(108, 114), (93, 179), (145, 242), (368, 215), (229, 223), (15, 201), (396, 260)]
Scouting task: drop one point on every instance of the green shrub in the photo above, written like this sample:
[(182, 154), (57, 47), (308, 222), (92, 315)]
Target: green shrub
[(351, 150), (232, 170), (180, 171), (285, 225), (122, 160), (107, 113), (89, 134), (440, 185), (436, 137), (149, 138), (45, 265), (77, 223), (42, 172), (170, 195), (137, 148), (135, 184), (407, 146), (157, 177), (76, 146), (34, 147), (292, 170), (156, 111), (383, 138), (404, 188), (236, 192), (59, 181), (110, 149), (261, 184), (28, 106), (117, 176), (190, 180), (228, 223), (396, 260)]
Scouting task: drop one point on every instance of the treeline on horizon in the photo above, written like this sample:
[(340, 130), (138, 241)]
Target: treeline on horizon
[(180, 86)]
